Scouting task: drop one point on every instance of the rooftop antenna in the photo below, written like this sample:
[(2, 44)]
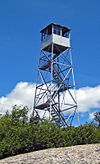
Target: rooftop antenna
[(55, 97)]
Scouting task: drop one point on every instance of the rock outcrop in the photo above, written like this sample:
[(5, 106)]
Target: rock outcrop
[(80, 154)]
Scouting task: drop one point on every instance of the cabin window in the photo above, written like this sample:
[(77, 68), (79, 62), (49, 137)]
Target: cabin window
[(66, 34), (46, 33), (57, 30)]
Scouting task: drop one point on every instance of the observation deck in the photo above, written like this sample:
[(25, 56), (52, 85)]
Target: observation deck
[(56, 34)]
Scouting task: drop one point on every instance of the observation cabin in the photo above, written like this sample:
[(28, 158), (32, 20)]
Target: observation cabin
[(57, 35)]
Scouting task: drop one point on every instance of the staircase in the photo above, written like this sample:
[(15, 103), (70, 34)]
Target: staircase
[(58, 117), (57, 78), (47, 63)]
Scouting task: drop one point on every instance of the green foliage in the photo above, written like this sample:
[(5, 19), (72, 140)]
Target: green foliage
[(19, 114), (97, 117), (18, 134)]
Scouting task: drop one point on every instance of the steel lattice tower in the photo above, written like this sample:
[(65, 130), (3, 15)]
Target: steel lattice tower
[(54, 95)]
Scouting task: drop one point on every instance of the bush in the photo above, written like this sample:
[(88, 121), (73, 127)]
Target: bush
[(20, 135)]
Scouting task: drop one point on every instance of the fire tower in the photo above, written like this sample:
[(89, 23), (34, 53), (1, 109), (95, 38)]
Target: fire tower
[(55, 87)]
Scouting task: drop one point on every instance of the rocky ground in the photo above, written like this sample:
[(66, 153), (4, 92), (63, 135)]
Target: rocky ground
[(81, 154)]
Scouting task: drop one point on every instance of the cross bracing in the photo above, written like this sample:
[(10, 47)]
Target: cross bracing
[(55, 97)]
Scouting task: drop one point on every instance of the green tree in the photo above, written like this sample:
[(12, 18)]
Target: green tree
[(19, 134), (97, 117), (19, 113)]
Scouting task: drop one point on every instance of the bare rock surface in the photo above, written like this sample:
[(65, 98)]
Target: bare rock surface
[(80, 154)]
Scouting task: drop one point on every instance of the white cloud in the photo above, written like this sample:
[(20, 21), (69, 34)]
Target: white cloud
[(88, 98), (91, 115), (23, 93)]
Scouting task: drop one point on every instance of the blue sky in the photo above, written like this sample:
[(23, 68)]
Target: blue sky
[(20, 25)]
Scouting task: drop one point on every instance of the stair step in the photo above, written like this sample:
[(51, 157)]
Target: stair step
[(52, 113), (55, 116), (56, 78), (56, 119)]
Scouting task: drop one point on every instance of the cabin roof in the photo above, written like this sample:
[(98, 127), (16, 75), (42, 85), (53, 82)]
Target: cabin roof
[(65, 29)]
